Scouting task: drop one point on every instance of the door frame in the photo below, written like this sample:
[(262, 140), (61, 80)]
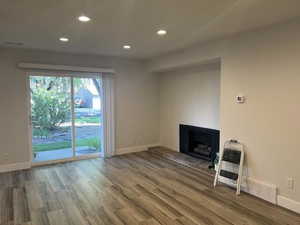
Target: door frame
[(71, 75)]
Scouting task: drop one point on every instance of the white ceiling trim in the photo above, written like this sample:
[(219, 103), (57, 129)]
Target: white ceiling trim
[(64, 68)]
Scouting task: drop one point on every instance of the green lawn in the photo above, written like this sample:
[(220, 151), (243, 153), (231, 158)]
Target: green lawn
[(95, 119), (91, 142)]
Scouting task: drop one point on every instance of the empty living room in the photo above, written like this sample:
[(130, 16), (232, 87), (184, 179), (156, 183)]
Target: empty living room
[(134, 112)]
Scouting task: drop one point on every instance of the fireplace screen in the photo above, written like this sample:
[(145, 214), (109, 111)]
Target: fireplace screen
[(199, 142)]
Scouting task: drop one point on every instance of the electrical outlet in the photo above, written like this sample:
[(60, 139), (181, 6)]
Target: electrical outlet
[(290, 183)]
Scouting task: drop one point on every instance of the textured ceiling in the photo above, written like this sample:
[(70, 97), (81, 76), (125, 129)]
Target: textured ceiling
[(39, 23)]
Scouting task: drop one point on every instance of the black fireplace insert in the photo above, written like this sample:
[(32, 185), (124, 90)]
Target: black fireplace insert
[(199, 142)]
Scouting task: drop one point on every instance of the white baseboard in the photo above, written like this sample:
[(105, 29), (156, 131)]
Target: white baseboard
[(288, 203), (121, 151), (15, 166), (173, 148)]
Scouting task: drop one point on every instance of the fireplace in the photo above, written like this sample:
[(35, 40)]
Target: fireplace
[(199, 142)]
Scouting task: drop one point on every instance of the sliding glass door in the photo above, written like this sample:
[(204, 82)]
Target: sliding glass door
[(66, 118), (87, 115)]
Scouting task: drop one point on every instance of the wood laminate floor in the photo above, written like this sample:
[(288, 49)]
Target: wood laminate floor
[(138, 189)]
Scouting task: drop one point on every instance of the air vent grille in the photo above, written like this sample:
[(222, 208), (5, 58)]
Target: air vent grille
[(13, 43)]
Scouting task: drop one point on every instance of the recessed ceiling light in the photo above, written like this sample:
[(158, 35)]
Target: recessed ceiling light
[(84, 18), (127, 47), (64, 39), (162, 32)]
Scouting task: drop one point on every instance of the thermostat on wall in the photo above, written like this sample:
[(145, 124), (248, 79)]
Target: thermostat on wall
[(240, 99)]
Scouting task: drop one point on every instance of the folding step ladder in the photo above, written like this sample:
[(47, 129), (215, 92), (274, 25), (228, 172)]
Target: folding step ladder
[(233, 152)]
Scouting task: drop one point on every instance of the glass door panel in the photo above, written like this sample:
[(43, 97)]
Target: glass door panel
[(51, 117), (87, 116)]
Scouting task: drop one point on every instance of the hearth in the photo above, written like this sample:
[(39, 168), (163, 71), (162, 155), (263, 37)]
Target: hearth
[(199, 142)]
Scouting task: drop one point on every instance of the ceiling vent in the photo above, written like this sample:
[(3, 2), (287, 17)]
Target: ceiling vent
[(13, 43)]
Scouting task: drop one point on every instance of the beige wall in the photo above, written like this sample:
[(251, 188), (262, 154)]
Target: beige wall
[(264, 66), (188, 96), (136, 100)]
